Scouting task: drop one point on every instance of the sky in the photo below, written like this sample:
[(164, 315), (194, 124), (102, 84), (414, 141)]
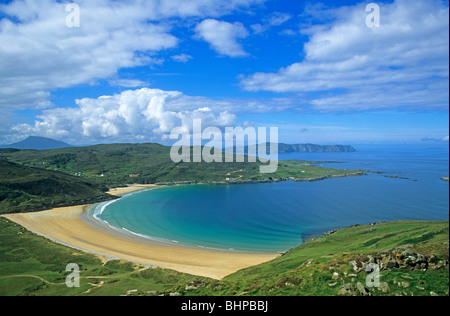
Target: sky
[(132, 71)]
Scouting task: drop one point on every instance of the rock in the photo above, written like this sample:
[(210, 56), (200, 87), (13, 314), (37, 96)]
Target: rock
[(407, 253), (174, 294), (356, 265), (439, 265), (335, 276), (347, 290), (130, 292), (403, 284), (432, 259), (384, 287), (332, 284), (389, 263), (411, 260), (362, 290), (305, 264), (433, 293)]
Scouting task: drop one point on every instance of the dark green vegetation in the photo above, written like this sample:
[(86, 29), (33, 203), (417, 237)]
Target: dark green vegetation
[(25, 188), (105, 166), (326, 266)]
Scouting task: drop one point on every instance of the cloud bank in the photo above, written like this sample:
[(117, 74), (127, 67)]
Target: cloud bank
[(351, 67), (39, 53), (143, 115)]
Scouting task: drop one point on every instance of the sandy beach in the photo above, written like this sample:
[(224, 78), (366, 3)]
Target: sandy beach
[(72, 227)]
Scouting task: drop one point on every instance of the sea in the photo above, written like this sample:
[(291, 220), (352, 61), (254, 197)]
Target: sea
[(404, 184)]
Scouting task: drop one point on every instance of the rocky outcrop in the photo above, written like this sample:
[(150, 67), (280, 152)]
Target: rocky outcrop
[(352, 290), (398, 259)]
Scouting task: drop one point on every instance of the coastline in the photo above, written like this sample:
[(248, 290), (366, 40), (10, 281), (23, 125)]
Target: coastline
[(72, 227)]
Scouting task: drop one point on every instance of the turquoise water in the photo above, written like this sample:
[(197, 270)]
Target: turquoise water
[(275, 217)]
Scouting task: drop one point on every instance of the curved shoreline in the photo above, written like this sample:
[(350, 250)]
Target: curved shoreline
[(72, 227)]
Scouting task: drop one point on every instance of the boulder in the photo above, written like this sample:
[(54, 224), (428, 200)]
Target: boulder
[(384, 287), (362, 290), (347, 290)]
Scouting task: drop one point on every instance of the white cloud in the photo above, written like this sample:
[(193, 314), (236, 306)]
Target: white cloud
[(39, 53), (276, 19), (279, 18), (182, 58), (134, 115), (223, 36), (402, 64), (127, 83)]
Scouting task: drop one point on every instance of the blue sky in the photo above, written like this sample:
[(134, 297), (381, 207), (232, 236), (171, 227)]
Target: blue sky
[(134, 70)]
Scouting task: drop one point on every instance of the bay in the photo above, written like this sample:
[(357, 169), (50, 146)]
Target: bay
[(275, 217)]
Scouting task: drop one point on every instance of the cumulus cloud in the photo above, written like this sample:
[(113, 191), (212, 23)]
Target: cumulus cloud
[(39, 53), (133, 115), (223, 36), (402, 64)]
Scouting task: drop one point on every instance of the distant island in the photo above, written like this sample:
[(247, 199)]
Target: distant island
[(312, 148), (299, 148)]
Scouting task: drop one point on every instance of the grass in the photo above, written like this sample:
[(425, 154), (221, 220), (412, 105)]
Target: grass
[(25, 188), (308, 269), (32, 180), (33, 265), (119, 164)]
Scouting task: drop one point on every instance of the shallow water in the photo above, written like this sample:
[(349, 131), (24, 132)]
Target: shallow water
[(274, 217)]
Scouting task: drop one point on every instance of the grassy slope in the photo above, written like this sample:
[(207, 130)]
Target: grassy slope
[(32, 265), (24, 188), (120, 164), (33, 180), (291, 275)]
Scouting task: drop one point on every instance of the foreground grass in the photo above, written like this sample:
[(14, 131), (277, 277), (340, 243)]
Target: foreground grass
[(321, 266), (33, 265)]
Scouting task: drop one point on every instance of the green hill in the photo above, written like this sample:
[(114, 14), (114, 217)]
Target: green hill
[(413, 257), (120, 164), (24, 188), (37, 179)]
